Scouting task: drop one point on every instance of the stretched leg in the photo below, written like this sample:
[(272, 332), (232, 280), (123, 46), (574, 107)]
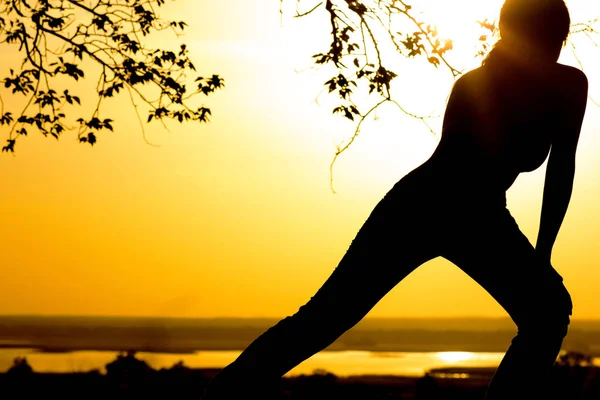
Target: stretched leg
[(493, 251), (391, 244)]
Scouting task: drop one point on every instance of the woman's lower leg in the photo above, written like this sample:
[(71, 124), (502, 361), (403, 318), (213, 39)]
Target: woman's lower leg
[(525, 370)]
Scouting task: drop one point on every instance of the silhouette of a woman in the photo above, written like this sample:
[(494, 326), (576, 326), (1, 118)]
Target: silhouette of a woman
[(502, 119)]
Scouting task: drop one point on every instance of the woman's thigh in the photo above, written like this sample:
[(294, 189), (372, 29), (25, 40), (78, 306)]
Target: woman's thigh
[(397, 237), (491, 249)]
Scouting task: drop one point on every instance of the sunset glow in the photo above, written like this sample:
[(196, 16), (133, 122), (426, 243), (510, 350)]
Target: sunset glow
[(236, 218)]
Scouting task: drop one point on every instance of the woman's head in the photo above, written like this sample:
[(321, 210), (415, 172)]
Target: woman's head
[(539, 27)]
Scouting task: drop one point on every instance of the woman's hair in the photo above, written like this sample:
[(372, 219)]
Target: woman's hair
[(537, 24)]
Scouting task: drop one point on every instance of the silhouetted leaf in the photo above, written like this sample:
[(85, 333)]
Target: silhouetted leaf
[(434, 60), (10, 146)]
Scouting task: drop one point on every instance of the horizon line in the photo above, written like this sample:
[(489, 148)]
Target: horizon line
[(464, 317)]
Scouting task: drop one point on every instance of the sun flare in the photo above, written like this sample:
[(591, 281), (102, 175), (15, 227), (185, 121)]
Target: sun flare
[(452, 357)]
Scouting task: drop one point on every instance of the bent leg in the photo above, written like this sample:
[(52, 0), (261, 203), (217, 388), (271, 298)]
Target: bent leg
[(390, 245), (494, 252)]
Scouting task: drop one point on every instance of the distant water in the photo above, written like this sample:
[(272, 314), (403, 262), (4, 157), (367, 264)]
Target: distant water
[(341, 363)]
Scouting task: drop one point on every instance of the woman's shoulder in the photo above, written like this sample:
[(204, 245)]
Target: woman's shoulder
[(466, 82), (469, 77), (570, 86), (571, 77), (572, 72)]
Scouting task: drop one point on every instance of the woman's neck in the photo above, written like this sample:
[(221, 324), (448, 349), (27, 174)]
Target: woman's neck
[(520, 54)]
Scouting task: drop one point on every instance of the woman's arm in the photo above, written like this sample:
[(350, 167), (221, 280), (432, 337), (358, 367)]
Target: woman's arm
[(560, 171)]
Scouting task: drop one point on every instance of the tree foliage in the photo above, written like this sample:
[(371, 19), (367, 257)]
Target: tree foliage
[(61, 40)]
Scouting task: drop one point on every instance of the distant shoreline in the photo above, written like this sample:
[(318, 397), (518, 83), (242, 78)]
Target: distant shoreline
[(174, 351), (272, 318), (51, 334)]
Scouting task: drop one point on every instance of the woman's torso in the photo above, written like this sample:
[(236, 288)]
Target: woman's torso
[(500, 122)]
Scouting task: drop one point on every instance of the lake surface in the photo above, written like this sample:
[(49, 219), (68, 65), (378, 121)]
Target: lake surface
[(341, 363)]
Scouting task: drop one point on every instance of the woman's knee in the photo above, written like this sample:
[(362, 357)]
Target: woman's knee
[(551, 316)]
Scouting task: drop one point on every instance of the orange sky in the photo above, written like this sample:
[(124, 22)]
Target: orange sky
[(236, 218)]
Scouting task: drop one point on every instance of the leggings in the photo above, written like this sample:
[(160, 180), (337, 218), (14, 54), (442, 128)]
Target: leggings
[(408, 227)]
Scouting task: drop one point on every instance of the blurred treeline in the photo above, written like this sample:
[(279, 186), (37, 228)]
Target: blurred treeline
[(574, 378)]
